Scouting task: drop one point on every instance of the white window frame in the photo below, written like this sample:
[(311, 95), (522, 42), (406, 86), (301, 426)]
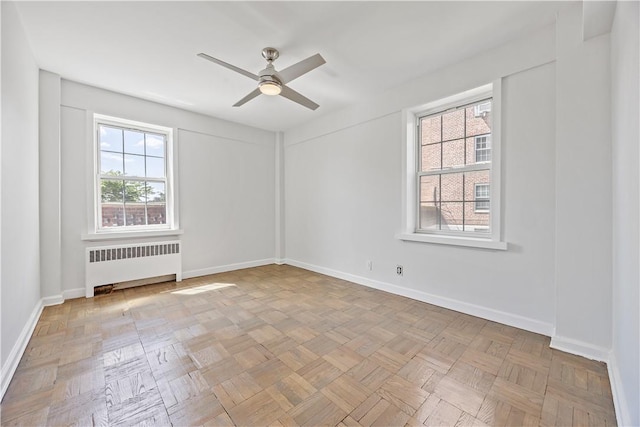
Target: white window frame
[(487, 149), (410, 198), (476, 199), (95, 229)]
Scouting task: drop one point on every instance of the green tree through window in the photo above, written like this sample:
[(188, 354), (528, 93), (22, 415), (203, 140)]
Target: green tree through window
[(115, 190)]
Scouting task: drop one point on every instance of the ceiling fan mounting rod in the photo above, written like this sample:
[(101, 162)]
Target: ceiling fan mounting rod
[(270, 53)]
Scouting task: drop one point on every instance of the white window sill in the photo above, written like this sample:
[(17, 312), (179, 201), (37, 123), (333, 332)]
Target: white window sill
[(453, 240), (122, 235)]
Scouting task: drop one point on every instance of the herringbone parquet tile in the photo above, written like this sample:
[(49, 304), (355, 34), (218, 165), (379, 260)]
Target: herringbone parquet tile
[(278, 345)]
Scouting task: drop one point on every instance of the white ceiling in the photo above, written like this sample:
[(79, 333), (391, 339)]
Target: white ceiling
[(148, 49)]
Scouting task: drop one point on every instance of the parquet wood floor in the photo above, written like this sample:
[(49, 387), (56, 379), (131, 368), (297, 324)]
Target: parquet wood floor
[(277, 345)]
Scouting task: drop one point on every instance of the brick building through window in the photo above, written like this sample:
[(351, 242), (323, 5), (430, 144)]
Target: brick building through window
[(455, 169)]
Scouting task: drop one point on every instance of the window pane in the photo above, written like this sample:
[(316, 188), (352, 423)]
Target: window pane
[(429, 218), (157, 213), (471, 150), (451, 187), (135, 213), (110, 138), (453, 125), (479, 118), (474, 220), (112, 214), (155, 192), (472, 179), (451, 214), (133, 142), (156, 203), (155, 145), (430, 189), (110, 163), (134, 165), (134, 192), (155, 167), (453, 154), (431, 130), (111, 191), (431, 157)]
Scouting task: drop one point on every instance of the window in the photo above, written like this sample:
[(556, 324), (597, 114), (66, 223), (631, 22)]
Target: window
[(133, 177), (482, 198), (452, 184), (483, 148), (454, 159)]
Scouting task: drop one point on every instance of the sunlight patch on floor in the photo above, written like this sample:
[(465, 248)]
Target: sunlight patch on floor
[(203, 288)]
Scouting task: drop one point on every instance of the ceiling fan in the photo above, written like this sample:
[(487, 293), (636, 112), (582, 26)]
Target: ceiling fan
[(272, 82)]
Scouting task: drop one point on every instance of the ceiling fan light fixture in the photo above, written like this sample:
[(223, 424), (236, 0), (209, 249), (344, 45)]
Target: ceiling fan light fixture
[(270, 87)]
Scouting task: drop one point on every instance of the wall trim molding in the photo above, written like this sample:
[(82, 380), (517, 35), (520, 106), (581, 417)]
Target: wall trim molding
[(580, 348), (10, 366), (623, 416), (74, 293), (224, 268), (52, 300), (505, 318)]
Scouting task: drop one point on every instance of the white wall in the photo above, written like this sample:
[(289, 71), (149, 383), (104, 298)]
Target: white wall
[(50, 209), (625, 114), (583, 190), (343, 194), (20, 280), (226, 201), (226, 183)]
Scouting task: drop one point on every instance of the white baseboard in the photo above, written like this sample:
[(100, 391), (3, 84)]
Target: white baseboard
[(280, 261), (623, 416), (74, 293), (452, 304), (224, 268), (580, 348), (53, 300), (11, 364)]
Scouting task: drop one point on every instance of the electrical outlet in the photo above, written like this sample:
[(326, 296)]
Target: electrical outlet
[(399, 270), (369, 265)]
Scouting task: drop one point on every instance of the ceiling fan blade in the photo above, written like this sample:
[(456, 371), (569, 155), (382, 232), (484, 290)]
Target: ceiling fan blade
[(291, 94), (247, 98), (229, 66), (302, 67)]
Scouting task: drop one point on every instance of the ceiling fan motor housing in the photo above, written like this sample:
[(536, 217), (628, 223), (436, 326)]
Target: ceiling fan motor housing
[(269, 76), (270, 54)]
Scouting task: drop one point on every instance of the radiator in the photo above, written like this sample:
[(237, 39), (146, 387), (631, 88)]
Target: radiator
[(120, 263)]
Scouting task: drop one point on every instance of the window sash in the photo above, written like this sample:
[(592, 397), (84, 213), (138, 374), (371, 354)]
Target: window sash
[(167, 213), (461, 169), (476, 166), (131, 178)]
